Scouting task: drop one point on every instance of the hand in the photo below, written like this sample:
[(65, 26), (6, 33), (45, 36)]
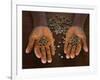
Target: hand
[(43, 42), (74, 41)]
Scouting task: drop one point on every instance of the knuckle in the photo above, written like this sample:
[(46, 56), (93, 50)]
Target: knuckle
[(47, 49)]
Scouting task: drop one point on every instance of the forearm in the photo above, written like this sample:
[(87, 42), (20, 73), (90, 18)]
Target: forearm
[(39, 19), (79, 20)]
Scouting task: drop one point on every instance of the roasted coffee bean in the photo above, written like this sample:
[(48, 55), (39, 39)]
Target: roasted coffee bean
[(59, 24), (43, 41), (74, 41)]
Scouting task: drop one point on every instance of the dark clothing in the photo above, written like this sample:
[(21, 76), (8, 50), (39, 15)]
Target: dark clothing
[(59, 24)]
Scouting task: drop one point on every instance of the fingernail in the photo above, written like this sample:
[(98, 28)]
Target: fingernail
[(38, 56), (43, 61), (77, 54), (86, 49), (72, 56), (67, 57), (27, 51), (49, 61), (65, 52)]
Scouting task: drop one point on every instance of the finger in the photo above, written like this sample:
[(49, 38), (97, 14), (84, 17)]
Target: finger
[(72, 55), (37, 51), (78, 49), (68, 50), (68, 36), (49, 55), (43, 56), (65, 47), (52, 49), (30, 45), (84, 45)]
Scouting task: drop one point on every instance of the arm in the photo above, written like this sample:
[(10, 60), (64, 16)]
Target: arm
[(41, 39), (39, 19), (79, 20), (75, 37)]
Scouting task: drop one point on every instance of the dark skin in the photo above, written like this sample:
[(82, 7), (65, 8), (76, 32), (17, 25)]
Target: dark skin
[(72, 51), (46, 52), (76, 30)]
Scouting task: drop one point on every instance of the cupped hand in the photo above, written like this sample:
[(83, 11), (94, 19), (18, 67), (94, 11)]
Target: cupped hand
[(75, 40), (42, 41)]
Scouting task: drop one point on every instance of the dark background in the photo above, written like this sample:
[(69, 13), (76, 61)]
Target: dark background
[(30, 61)]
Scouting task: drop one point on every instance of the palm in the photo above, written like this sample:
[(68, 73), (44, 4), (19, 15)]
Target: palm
[(74, 41), (42, 41)]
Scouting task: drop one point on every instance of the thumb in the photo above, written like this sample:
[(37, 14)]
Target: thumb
[(85, 48), (29, 46)]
